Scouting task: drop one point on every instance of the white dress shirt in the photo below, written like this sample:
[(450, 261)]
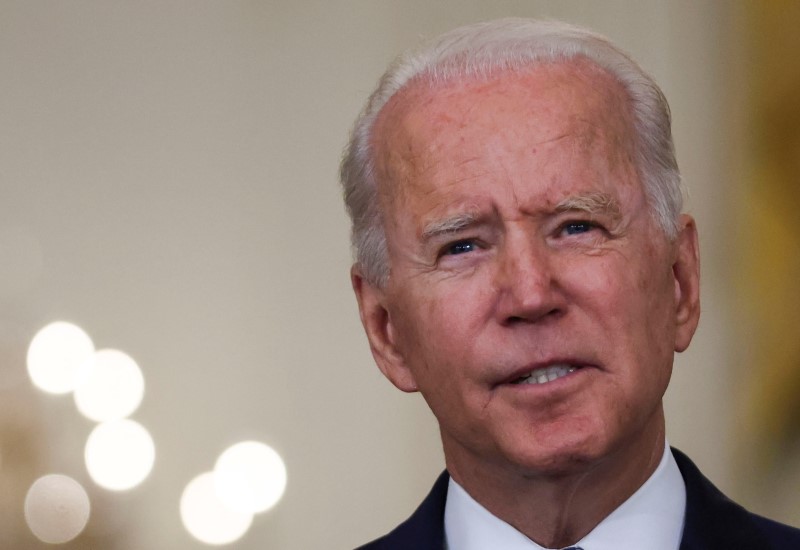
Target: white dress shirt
[(651, 518)]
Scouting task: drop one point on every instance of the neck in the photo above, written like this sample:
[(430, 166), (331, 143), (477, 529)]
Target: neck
[(558, 508)]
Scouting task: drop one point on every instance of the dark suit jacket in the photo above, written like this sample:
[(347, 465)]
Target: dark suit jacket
[(712, 521)]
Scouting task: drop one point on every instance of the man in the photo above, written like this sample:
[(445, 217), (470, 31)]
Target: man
[(522, 261)]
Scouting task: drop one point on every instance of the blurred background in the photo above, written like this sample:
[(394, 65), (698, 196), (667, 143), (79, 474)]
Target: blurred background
[(168, 184)]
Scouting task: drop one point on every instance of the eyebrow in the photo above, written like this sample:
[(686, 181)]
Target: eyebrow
[(448, 225), (591, 203)]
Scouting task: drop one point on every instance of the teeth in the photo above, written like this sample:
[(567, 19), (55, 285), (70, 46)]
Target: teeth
[(547, 374)]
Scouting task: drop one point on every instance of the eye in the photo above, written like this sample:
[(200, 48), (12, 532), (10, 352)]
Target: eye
[(578, 227), (459, 247)]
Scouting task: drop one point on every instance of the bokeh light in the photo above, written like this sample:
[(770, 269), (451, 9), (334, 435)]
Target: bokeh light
[(206, 517), (119, 454), (57, 355), (56, 508), (250, 477), (111, 388)]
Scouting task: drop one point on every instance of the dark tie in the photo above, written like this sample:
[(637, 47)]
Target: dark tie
[(573, 548)]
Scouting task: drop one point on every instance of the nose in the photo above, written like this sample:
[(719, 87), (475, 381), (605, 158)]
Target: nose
[(527, 284)]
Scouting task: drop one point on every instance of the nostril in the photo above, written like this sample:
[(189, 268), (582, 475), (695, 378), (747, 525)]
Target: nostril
[(517, 319), (555, 313)]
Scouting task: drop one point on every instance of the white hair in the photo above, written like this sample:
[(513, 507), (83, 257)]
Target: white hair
[(481, 50)]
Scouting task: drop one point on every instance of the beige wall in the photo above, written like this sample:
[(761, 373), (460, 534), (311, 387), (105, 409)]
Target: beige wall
[(176, 163)]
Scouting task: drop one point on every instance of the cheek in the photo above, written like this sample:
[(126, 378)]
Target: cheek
[(438, 325), (635, 282), (648, 314), (628, 296)]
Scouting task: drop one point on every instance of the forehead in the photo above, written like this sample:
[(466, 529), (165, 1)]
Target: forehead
[(430, 128)]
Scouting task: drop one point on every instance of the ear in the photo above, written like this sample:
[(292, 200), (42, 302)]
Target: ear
[(686, 271), (380, 331)]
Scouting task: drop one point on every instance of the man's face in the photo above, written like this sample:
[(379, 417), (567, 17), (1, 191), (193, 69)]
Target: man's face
[(532, 298)]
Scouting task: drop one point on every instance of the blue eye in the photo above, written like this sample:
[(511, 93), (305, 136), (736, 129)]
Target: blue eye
[(575, 228), (459, 247)]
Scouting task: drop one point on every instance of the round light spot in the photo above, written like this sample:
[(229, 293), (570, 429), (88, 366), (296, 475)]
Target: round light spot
[(112, 386), (250, 477), (56, 357), (206, 517), (56, 508), (119, 454)]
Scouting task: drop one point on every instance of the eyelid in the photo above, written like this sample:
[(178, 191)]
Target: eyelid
[(580, 216), (581, 221)]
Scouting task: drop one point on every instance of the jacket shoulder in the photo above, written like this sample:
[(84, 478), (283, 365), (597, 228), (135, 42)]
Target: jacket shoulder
[(715, 521), (424, 530), (778, 534)]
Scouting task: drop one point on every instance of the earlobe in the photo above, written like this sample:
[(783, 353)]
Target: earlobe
[(378, 325), (686, 272)]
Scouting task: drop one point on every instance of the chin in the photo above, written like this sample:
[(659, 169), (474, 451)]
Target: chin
[(564, 457), (553, 465)]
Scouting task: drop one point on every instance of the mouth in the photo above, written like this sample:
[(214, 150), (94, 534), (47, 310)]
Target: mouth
[(543, 375)]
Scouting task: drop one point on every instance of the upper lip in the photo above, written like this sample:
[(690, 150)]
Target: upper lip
[(524, 371)]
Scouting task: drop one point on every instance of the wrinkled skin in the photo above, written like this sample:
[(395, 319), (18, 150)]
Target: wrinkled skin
[(519, 236)]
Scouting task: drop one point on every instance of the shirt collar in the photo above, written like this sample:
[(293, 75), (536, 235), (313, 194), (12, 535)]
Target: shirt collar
[(651, 518)]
